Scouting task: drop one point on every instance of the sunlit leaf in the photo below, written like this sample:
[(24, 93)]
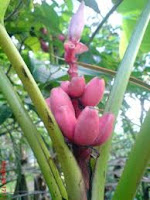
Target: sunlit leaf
[(131, 12)]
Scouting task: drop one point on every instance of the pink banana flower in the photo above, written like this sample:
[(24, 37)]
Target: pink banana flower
[(93, 92)]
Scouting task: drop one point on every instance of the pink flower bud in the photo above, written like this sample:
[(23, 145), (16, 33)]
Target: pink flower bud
[(44, 45), (87, 127), (93, 92), (64, 85), (61, 37), (77, 24), (76, 86), (76, 106), (44, 31), (106, 124), (66, 120), (59, 98)]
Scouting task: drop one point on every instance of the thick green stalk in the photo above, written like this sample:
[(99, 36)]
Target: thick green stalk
[(73, 177), (136, 164), (34, 139), (115, 99)]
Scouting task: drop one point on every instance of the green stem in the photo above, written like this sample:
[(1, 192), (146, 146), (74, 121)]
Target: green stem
[(116, 96), (34, 139), (3, 8), (73, 177), (136, 164), (110, 72), (51, 50)]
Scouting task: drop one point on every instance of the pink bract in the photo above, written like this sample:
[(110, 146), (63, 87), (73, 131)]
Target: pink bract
[(77, 24)]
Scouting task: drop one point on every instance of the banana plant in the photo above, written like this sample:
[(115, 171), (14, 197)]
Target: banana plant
[(70, 117)]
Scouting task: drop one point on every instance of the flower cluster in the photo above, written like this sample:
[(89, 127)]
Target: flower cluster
[(73, 103)]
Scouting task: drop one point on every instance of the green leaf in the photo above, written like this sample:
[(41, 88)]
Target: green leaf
[(69, 4), (5, 112), (131, 12), (92, 4), (33, 43), (46, 15), (42, 72), (3, 8), (129, 6), (139, 157), (128, 26)]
